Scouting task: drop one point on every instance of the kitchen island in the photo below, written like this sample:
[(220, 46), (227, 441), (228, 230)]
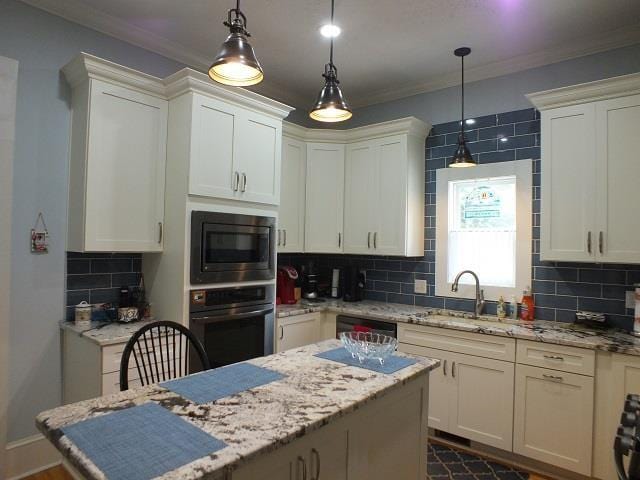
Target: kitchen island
[(324, 418)]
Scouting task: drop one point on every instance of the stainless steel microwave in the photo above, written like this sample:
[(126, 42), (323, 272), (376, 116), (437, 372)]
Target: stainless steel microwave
[(228, 247)]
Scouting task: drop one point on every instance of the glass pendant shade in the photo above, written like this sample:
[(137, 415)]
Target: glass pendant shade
[(330, 105), (236, 64), (462, 156)]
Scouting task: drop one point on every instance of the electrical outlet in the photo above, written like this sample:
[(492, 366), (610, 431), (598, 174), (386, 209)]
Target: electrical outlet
[(420, 286), (630, 299)]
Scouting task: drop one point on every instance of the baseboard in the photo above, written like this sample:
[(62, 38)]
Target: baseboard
[(30, 455)]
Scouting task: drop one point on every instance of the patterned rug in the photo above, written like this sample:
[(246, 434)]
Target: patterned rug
[(444, 463)]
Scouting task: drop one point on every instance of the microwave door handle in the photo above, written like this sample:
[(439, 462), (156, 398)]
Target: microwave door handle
[(229, 316)]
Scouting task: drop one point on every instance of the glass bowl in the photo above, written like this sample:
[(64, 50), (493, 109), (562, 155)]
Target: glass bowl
[(368, 345)]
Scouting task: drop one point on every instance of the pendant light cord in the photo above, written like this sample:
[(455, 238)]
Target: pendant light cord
[(331, 47), (462, 113)]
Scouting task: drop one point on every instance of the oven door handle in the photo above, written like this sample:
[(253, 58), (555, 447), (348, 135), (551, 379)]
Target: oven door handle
[(229, 316)]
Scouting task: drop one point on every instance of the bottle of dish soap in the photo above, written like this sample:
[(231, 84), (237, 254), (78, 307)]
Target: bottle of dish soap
[(526, 312), (514, 308), (501, 310)]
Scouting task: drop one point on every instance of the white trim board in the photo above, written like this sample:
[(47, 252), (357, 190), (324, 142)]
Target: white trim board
[(8, 95), (78, 12), (30, 455)]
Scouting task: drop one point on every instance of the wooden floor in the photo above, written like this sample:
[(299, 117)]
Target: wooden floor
[(55, 473), (59, 473)]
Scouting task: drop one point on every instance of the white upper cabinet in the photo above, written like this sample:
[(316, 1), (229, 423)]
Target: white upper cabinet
[(379, 189), (235, 153), (324, 198), (117, 165), (588, 131), (292, 196)]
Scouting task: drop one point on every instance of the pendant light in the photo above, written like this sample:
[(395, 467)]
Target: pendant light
[(462, 157), (330, 105), (236, 64)]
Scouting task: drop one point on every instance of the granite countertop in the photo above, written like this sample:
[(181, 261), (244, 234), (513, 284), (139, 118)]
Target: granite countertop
[(106, 333), (313, 393), (558, 333)]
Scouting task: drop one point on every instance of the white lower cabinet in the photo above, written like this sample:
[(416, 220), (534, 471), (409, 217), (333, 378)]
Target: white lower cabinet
[(298, 330), (470, 396), (554, 417), (384, 439)]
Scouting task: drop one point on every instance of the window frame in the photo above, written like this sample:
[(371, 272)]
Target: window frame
[(523, 172)]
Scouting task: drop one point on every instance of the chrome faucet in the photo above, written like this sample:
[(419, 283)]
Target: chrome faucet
[(479, 291)]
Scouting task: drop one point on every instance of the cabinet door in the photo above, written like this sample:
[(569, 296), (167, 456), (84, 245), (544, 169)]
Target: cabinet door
[(297, 330), (568, 230), (278, 465), (257, 142), (325, 453), (618, 172), (482, 402), (212, 172), (554, 417), (390, 192), (440, 384), (325, 198), (125, 170), (360, 197), (292, 196)]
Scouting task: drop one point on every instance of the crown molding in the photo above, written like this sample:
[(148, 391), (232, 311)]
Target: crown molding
[(586, 92), (623, 37), (86, 66), (78, 12), (188, 80), (403, 126)]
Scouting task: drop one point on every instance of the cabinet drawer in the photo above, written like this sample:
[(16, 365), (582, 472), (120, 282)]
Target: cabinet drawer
[(488, 346), (556, 357), (112, 354)]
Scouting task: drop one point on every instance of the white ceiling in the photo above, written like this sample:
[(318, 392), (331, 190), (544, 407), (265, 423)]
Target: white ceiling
[(388, 48)]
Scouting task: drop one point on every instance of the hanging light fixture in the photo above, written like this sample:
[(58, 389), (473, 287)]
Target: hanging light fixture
[(462, 157), (330, 105), (236, 64)]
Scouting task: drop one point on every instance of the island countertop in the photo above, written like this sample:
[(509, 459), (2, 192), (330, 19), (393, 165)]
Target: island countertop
[(255, 422)]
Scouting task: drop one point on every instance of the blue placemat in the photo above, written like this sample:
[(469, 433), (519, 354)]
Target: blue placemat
[(141, 442), (212, 385), (391, 364)]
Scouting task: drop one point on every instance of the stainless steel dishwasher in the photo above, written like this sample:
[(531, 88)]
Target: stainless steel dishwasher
[(346, 323)]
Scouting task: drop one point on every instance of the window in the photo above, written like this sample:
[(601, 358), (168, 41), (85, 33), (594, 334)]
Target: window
[(483, 223)]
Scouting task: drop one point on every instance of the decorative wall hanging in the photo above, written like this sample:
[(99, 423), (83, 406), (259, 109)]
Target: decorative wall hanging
[(40, 236)]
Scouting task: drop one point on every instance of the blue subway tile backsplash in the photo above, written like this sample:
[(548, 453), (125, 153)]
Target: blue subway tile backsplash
[(559, 288), (97, 277)]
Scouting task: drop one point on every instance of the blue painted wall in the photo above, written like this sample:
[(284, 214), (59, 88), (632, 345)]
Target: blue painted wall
[(559, 288)]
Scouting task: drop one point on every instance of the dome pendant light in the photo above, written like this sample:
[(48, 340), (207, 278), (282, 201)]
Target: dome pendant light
[(462, 157), (236, 64), (330, 105)]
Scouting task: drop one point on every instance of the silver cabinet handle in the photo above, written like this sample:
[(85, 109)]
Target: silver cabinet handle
[(236, 181), (600, 242), (281, 332), (244, 182), (304, 467), (453, 369), (368, 239), (444, 367), (375, 239), (316, 454), (339, 239), (284, 244), (555, 378), (160, 232), (554, 357), (278, 237), (589, 243)]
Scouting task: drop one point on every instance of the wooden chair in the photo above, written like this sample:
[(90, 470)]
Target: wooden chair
[(161, 352)]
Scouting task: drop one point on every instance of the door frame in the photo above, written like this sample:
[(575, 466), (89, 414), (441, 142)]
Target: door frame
[(8, 99)]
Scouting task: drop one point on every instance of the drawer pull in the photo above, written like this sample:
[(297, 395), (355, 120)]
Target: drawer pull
[(453, 369), (317, 455), (444, 367), (554, 357), (555, 378)]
